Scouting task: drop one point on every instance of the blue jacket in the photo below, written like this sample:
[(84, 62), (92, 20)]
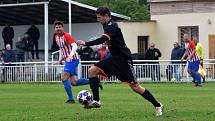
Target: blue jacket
[(9, 56), (177, 54)]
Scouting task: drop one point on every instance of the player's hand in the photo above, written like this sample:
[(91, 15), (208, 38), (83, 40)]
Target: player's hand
[(188, 58), (80, 42), (156, 54), (60, 62), (68, 59)]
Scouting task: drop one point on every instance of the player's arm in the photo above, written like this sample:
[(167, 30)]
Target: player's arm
[(109, 33), (71, 41), (60, 59), (74, 48), (97, 41), (184, 55)]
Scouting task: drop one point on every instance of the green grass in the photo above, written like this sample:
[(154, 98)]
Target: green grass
[(45, 102)]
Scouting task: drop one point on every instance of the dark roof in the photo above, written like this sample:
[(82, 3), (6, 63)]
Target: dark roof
[(22, 12)]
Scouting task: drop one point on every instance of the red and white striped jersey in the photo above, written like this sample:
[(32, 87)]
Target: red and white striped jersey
[(190, 47), (64, 42)]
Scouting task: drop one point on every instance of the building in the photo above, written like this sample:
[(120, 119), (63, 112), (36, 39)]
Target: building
[(20, 14), (177, 17)]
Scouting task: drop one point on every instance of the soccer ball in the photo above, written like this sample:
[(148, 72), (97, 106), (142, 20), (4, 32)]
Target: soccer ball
[(84, 97), (173, 79)]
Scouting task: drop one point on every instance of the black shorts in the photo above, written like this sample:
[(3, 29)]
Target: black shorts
[(121, 68)]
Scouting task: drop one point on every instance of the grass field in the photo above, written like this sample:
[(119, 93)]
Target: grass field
[(45, 102)]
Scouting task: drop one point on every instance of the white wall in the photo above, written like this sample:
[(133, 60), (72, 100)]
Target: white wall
[(131, 30), (82, 31), (167, 29)]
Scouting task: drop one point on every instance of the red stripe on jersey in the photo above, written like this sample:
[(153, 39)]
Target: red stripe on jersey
[(106, 35), (190, 47), (64, 42)]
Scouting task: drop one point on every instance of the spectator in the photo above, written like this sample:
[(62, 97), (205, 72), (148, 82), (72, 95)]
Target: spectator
[(9, 56), (86, 54), (28, 46), (102, 52), (20, 50), (8, 35), (1, 64), (177, 53), (153, 54), (34, 35)]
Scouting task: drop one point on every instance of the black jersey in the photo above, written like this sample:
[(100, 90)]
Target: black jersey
[(116, 43)]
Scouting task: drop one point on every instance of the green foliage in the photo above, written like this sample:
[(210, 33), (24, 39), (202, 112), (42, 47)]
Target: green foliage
[(136, 9), (45, 102)]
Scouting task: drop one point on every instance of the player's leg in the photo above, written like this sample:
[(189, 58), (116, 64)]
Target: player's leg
[(94, 82), (149, 97), (197, 74), (190, 71), (66, 82), (77, 82), (94, 85), (74, 72), (127, 74)]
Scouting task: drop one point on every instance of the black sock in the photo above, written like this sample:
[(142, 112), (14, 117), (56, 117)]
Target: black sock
[(94, 85), (148, 96)]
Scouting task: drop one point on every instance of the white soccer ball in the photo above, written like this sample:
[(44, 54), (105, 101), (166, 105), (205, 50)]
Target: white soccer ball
[(84, 97), (173, 79)]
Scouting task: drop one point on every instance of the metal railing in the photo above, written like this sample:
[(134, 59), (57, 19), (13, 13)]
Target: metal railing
[(164, 71)]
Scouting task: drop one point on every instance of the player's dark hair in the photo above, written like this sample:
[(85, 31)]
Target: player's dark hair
[(58, 23), (103, 11)]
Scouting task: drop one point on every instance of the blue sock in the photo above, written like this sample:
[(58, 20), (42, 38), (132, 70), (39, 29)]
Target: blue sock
[(68, 89), (198, 78), (82, 81)]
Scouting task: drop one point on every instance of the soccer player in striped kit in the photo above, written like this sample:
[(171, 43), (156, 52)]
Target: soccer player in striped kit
[(193, 59), (68, 54)]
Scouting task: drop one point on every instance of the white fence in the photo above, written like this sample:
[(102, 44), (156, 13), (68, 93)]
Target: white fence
[(164, 71)]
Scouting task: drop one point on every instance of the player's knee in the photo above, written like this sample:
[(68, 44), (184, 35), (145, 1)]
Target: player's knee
[(73, 83), (65, 76), (92, 72), (137, 88), (189, 71)]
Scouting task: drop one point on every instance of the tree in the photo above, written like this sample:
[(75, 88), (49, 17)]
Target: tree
[(136, 9)]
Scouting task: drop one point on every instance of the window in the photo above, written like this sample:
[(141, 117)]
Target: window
[(192, 31), (142, 43)]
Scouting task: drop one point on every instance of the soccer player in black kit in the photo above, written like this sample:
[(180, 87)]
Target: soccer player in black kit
[(119, 64)]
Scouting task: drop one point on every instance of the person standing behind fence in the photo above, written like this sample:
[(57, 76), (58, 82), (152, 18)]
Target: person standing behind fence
[(9, 57), (20, 50), (177, 53), (102, 52), (153, 54), (8, 35), (193, 59), (28, 46), (201, 53), (34, 35)]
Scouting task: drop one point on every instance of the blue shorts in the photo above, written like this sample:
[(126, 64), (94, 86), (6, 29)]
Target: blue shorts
[(194, 65), (71, 67)]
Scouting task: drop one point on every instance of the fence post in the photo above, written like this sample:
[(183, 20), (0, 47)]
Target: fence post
[(35, 72), (79, 70)]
